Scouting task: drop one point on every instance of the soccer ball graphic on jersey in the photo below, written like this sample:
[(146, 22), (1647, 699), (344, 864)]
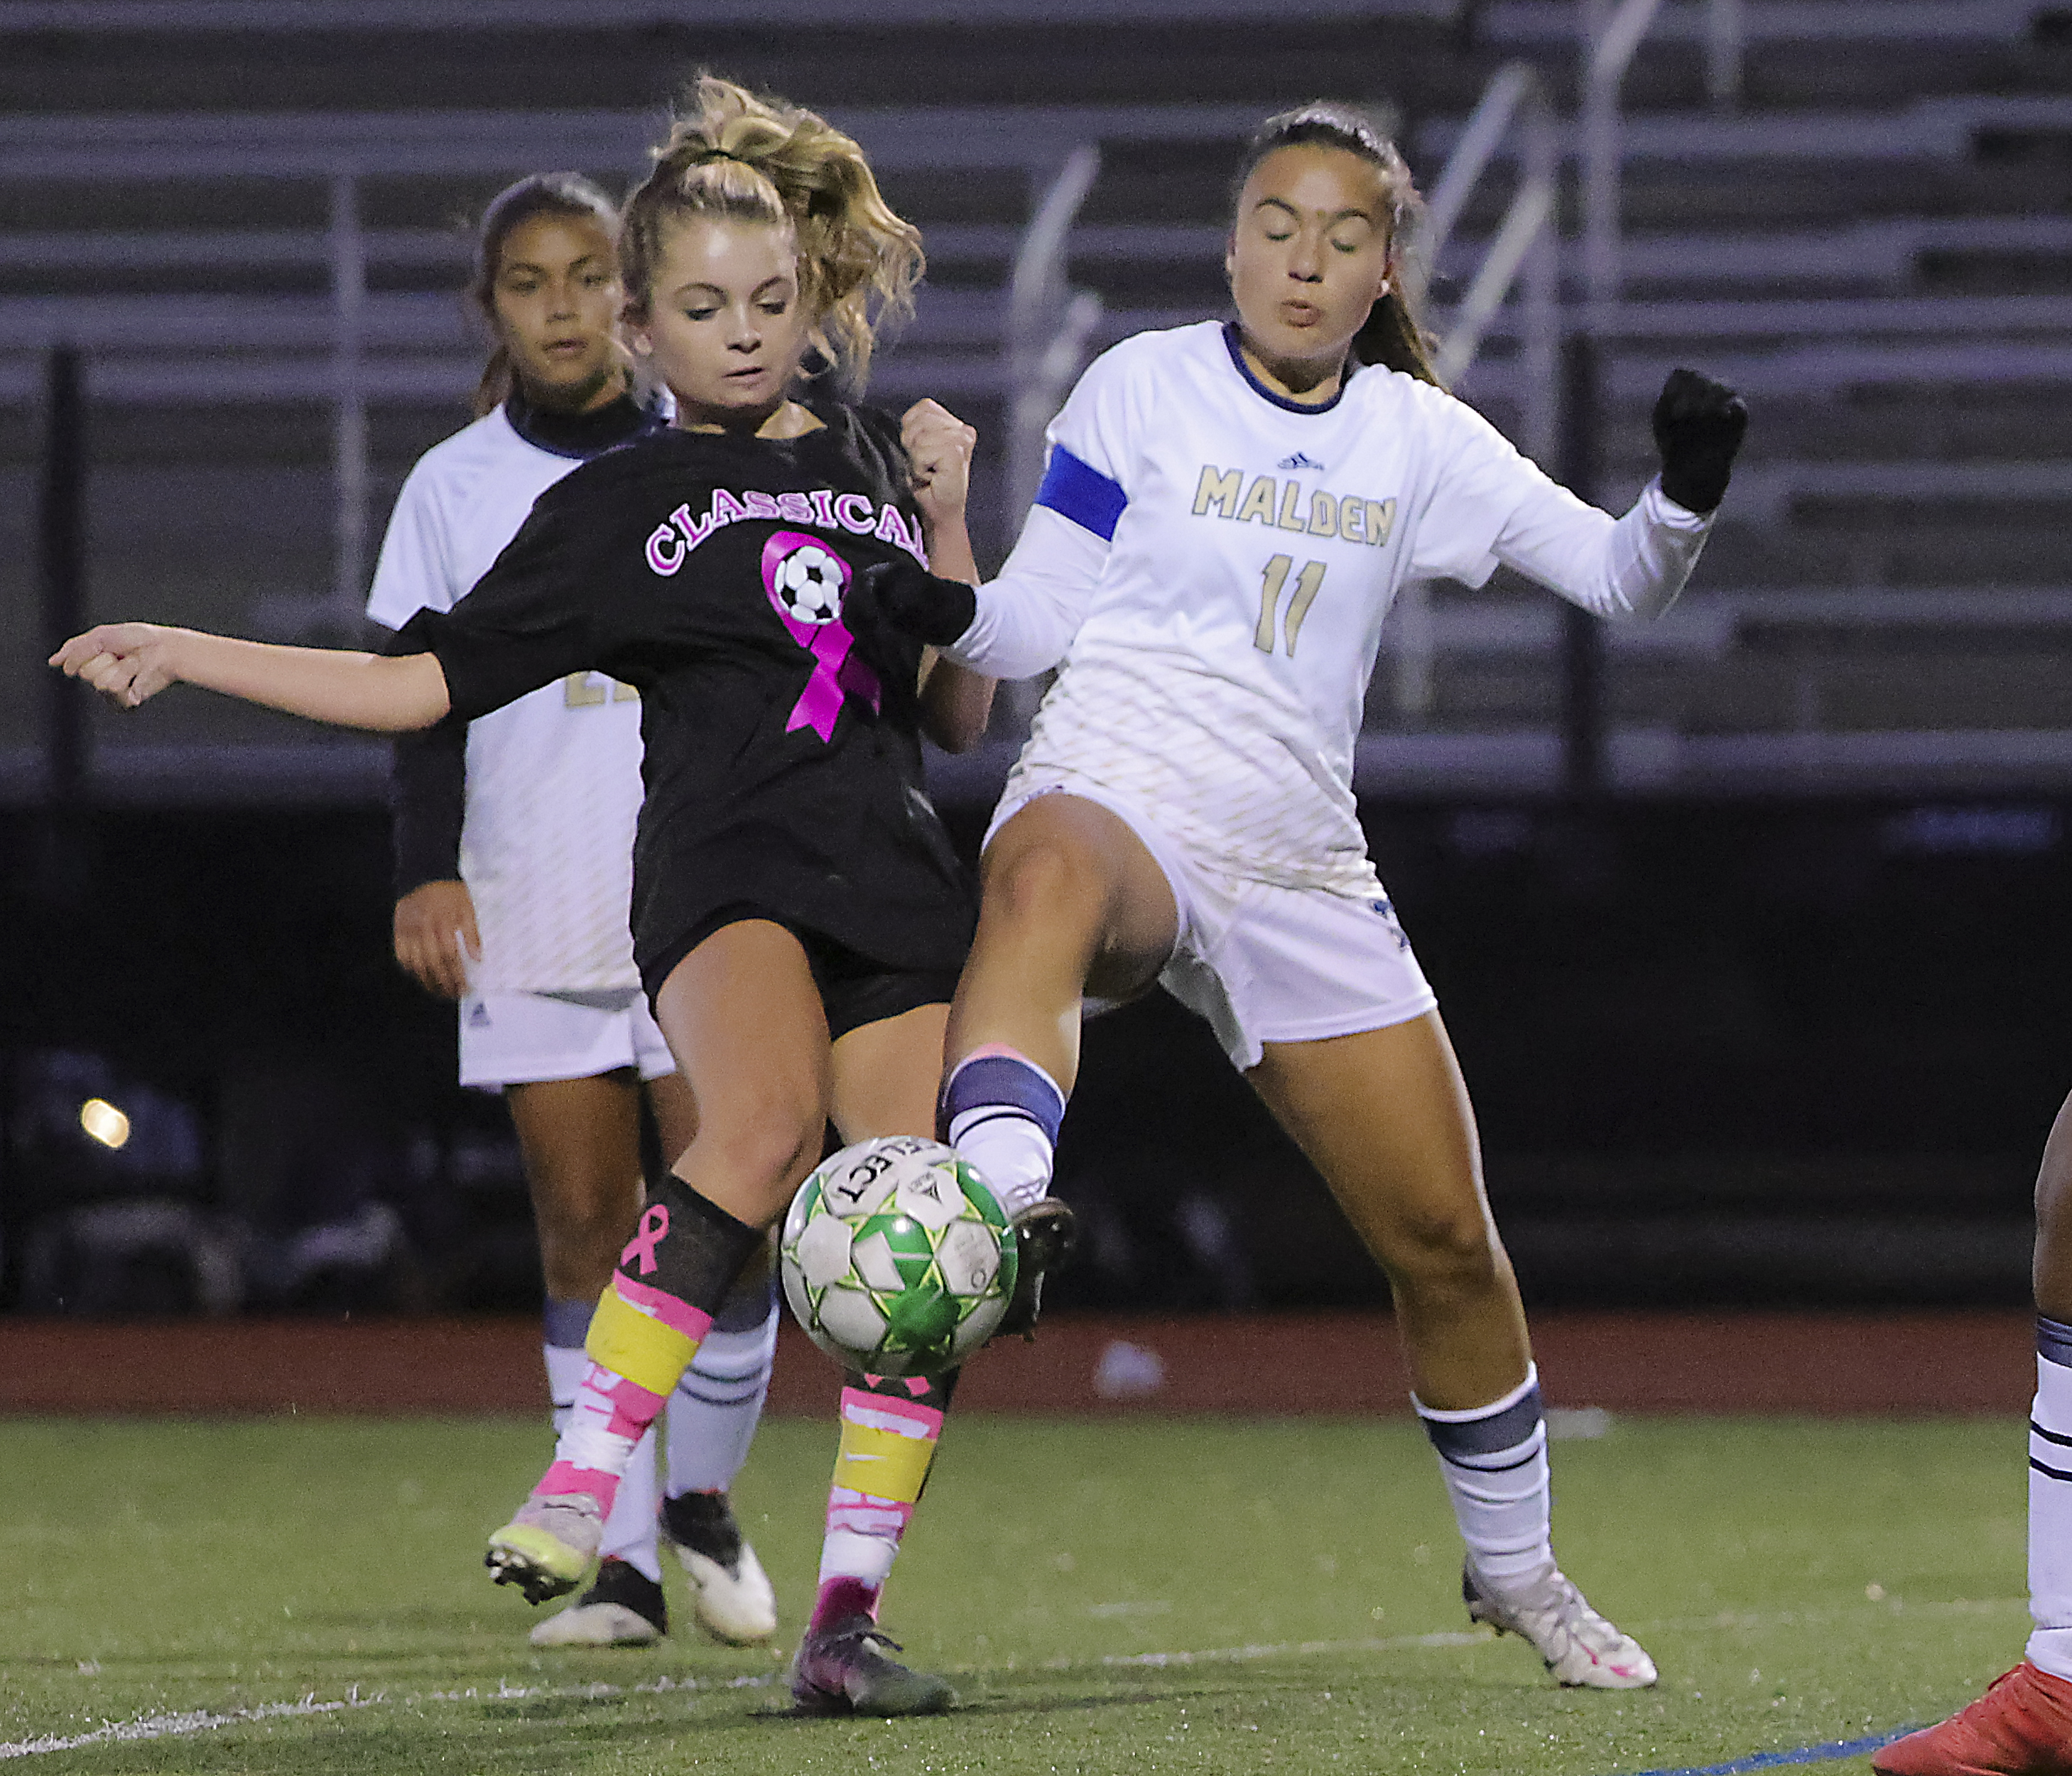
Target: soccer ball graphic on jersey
[(809, 583), (896, 1258)]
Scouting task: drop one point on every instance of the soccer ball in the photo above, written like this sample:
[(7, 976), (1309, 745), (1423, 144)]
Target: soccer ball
[(896, 1258), (810, 583)]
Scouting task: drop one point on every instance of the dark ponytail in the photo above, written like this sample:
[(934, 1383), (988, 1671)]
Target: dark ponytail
[(538, 194), (1393, 335)]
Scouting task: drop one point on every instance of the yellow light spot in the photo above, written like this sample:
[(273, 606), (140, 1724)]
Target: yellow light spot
[(104, 1122)]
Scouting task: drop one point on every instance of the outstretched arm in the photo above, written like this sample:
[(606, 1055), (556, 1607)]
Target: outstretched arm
[(129, 662), (1634, 566)]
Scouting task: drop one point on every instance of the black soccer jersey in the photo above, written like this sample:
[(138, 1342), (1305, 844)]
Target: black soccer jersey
[(731, 580)]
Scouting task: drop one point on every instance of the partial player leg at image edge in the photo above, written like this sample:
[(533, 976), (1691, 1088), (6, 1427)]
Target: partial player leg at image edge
[(889, 1429), (2022, 1725)]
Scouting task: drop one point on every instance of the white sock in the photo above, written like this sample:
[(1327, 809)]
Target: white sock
[(1001, 1112), (2050, 1501), (713, 1412), (630, 1531), (1493, 1461)]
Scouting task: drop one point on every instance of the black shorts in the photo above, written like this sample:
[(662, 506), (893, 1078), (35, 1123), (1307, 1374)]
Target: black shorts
[(855, 989)]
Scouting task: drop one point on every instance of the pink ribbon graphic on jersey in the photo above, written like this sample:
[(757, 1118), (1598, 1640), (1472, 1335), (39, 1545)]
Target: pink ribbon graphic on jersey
[(654, 1229), (807, 582)]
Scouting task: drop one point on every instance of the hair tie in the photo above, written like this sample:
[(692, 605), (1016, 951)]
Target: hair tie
[(709, 154)]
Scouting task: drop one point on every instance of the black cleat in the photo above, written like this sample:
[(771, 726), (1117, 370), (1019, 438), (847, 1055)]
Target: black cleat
[(730, 1592), (623, 1607), (843, 1670), (1045, 1234)]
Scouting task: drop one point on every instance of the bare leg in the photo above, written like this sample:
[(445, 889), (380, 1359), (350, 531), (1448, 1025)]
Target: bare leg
[(743, 1018), (1072, 902), (2023, 1723), (676, 1111), (1384, 1115), (2053, 1268), (581, 1139), (887, 1075)]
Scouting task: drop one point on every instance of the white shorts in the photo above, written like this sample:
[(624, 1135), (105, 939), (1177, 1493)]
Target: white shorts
[(1264, 963), (518, 1038)]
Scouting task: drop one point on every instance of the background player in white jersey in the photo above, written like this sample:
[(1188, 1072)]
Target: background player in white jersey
[(1226, 513), (514, 846)]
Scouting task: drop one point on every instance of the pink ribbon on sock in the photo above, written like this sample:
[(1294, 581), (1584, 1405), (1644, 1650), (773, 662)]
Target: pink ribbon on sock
[(654, 1229), (838, 672)]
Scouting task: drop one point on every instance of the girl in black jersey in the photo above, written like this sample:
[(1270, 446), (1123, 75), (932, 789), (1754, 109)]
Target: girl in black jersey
[(799, 917), (514, 845)]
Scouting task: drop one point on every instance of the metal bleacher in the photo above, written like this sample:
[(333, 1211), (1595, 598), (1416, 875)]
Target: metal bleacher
[(243, 214)]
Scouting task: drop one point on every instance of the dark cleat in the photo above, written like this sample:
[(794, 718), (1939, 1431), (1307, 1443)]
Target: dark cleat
[(623, 1607), (1044, 1236), (843, 1670)]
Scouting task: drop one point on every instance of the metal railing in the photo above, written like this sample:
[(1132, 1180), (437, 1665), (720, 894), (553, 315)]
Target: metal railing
[(1613, 32), (1049, 323), (1048, 327), (1525, 245)]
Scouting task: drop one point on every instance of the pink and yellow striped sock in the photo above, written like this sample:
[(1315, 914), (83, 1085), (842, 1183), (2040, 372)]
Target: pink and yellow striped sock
[(887, 1444), (641, 1340)]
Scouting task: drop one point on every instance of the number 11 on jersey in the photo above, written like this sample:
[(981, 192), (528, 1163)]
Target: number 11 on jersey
[(1307, 583)]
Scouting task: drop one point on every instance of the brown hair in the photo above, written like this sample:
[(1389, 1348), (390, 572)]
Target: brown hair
[(1391, 335), (733, 153), (538, 194)]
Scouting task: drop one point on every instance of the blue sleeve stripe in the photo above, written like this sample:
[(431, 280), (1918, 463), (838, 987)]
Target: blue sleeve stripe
[(1079, 491)]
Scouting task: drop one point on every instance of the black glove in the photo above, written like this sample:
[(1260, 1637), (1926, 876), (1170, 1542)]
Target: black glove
[(1698, 428), (922, 604)]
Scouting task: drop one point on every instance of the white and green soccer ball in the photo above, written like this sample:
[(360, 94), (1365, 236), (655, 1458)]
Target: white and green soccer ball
[(896, 1258)]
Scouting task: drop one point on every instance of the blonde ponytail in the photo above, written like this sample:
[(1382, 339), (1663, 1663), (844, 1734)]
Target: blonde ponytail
[(732, 153)]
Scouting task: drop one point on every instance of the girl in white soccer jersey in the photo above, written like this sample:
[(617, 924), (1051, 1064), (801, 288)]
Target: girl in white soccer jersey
[(799, 915), (1227, 512), (514, 852)]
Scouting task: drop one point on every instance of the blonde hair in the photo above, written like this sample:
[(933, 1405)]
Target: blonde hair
[(733, 153)]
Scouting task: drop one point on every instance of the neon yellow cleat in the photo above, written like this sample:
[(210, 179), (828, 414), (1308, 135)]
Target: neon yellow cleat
[(548, 1547)]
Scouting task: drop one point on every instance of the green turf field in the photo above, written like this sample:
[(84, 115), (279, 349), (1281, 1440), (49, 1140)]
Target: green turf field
[(1137, 1595)]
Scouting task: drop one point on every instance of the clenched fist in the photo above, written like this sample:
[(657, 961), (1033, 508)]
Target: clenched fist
[(940, 446), (1698, 427)]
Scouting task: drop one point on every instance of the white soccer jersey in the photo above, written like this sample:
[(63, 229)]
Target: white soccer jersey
[(1213, 563), (553, 779)]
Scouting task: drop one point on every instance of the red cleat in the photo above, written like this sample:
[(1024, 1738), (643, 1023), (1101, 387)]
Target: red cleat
[(2021, 1726)]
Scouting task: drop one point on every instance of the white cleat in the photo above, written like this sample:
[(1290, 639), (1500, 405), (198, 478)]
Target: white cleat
[(1579, 1646), (595, 1625), (730, 1594), (732, 1603)]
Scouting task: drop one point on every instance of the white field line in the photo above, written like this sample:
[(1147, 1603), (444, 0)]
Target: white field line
[(192, 1722), (199, 1720)]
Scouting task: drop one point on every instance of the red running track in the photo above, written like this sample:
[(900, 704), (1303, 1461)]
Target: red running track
[(1275, 1363)]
